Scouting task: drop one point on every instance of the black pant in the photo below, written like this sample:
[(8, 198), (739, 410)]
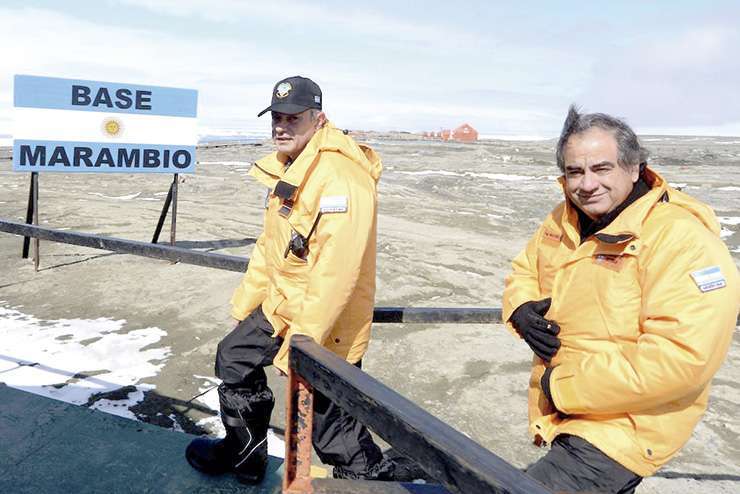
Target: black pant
[(575, 465), (338, 438)]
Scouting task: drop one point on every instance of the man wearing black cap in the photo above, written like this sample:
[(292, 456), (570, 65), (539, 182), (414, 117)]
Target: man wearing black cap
[(296, 114), (312, 272)]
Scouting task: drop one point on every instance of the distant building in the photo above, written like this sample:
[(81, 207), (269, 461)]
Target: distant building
[(465, 133)]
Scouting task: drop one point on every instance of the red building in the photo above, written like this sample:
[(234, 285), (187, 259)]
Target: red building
[(465, 133)]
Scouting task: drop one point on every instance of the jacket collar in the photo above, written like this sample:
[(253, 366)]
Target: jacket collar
[(286, 181), (628, 224), (273, 172)]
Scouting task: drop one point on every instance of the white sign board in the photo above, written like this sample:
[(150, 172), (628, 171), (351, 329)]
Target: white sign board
[(67, 125)]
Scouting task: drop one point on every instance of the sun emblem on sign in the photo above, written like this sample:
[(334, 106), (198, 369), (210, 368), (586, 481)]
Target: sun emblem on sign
[(283, 89), (112, 127)]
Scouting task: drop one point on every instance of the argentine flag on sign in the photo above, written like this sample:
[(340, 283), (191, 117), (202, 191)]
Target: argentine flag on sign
[(69, 125)]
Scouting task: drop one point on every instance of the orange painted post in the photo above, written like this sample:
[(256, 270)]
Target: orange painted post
[(298, 430)]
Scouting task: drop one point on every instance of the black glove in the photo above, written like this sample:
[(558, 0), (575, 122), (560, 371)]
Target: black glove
[(538, 332)]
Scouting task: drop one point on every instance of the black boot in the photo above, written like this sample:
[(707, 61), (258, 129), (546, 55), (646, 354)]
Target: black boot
[(382, 470), (250, 461), (246, 417), (212, 456), (407, 470)]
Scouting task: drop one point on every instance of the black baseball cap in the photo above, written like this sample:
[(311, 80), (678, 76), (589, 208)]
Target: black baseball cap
[(294, 95)]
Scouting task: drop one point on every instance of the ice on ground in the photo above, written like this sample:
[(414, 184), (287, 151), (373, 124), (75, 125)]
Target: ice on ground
[(433, 172), (507, 177), (225, 163), (275, 445), (209, 396), (117, 198), (72, 359), (507, 137), (121, 407), (501, 176), (729, 220)]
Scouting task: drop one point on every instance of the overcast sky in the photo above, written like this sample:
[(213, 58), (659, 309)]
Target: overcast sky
[(512, 69)]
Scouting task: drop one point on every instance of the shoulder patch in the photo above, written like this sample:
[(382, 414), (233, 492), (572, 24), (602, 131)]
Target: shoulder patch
[(709, 279), (333, 204)]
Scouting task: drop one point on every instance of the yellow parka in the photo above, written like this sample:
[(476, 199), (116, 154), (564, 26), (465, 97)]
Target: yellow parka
[(330, 188), (643, 327)]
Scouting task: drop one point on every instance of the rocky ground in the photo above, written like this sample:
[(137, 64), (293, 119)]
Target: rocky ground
[(451, 218)]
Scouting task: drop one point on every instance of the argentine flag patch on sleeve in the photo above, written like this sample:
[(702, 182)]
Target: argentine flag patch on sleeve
[(709, 279), (333, 204)]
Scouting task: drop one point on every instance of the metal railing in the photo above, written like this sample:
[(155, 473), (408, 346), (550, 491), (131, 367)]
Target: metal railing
[(429, 315), (238, 264), (113, 244), (455, 461)]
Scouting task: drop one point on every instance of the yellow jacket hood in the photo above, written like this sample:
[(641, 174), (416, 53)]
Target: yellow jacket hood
[(328, 139)]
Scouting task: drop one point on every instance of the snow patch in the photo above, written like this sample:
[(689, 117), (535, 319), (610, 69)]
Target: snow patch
[(116, 198), (225, 163), (72, 359), (434, 172), (493, 176), (729, 220), (121, 407)]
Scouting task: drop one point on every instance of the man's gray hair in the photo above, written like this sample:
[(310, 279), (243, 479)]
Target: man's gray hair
[(630, 152)]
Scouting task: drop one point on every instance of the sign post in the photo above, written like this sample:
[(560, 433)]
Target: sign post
[(81, 126), (29, 211), (170, 199), (173, 227)]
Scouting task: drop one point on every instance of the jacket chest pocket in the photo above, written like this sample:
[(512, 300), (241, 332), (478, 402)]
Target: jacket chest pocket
[(294, 267), (617, 289), (598, 298), (550, 260), (293, 222)]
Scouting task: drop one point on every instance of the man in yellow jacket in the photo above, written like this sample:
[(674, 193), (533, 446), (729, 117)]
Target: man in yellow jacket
[(312, 272), (628, 299)]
